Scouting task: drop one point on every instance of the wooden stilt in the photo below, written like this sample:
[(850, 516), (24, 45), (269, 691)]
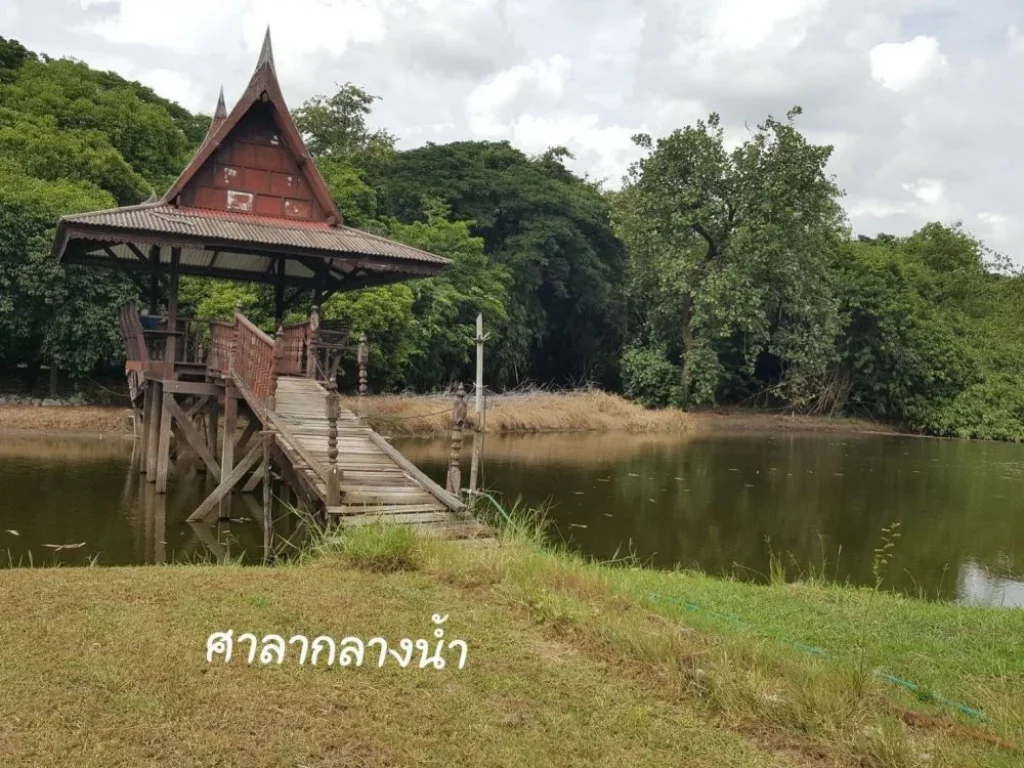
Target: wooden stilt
[(227, 460), (191, 434), (147, 422), (163, 447), (153, 431), (212, 412), (268, 498), (204, 510)]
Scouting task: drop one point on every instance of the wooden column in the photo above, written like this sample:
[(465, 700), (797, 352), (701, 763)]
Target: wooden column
[(147, 425), (268, 499), (163, 446), (454, 485), (333, 473), (153, 430), (279, 292), (363, 356), (478, 434), (227, 456), (172, 312), (154, 279), (311, 343), (212, 417), (275, 370)]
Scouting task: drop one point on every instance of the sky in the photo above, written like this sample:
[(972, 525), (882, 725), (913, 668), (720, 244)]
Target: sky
[(922, 99)]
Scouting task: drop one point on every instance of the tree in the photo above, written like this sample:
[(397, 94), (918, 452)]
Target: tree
[(422, 331), (551, 231), (66, 314), (730, 256), (335, 127)]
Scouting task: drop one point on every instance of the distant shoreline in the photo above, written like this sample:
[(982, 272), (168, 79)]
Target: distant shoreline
[(430, 416)]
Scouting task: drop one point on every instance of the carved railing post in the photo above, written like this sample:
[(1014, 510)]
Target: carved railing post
[(363, 357), (275, 369), (454, 484), (311, 343), (333, 473)]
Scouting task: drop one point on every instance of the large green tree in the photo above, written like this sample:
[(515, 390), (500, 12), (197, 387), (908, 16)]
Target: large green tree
[(729, 257), (551, 230)]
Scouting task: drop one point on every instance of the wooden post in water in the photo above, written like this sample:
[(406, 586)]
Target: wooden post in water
[(481, 404), (268, 498), (363, 357), (454, 484), (333, 473), (227, 451)]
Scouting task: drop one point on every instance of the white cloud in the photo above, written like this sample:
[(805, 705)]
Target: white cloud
[(187, 27), (899, 66), (928, 191), (8, 11), (486, 105), (604, 151), (177, 87), (1015, 40), (304, 28), (740, 25)]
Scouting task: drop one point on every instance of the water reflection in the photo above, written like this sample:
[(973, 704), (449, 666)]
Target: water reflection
[(712, 502), (977, 586), (56, 492), (715, 502)]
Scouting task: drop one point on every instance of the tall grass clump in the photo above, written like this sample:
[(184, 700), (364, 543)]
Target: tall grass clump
[(379, 548)]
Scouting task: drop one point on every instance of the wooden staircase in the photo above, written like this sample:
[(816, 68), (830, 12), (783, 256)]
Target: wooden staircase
[(378, 483)]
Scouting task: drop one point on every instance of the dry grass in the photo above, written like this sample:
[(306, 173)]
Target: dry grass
[(107, 668), (84, 419), (585, 410), (570, 664)]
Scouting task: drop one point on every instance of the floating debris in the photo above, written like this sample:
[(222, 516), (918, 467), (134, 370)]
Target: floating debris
[(608, 515), (681, 479), (747, 485), (838, 474), (732, 469), (651, 500), (577, 525), (59, 547), (604, 479), (633, 474), (13, 532), (578, 493)]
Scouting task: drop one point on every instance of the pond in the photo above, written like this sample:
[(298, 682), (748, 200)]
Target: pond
[(821, 502)]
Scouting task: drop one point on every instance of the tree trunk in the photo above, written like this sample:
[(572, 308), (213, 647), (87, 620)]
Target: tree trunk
[(687, 337)]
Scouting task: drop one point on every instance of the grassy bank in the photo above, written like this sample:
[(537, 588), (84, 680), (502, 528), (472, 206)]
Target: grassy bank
[(82, 419), (590, 410), (570, 663)]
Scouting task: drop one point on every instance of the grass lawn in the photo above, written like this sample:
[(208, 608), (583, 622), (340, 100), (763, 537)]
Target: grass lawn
[(569, 664)]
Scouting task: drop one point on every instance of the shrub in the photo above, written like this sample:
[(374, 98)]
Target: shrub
[(649, 377)]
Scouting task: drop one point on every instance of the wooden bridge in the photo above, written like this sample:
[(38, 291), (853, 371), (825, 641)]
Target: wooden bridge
[(336, 465)]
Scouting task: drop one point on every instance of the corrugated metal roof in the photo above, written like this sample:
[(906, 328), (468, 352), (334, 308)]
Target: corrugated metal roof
[(249, 228)]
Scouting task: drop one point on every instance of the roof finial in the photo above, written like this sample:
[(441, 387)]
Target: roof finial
[(267, 54), (221, 112)]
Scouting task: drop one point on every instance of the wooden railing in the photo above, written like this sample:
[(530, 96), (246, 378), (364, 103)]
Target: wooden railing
[(293, 341), (222, 346), (252, 362)]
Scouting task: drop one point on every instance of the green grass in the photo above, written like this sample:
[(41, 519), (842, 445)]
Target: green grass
[(571, 663)]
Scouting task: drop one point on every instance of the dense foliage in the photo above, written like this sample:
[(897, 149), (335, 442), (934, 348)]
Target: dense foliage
[(717, 275)]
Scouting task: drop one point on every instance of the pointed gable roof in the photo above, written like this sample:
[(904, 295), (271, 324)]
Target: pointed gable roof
[(263, 89)]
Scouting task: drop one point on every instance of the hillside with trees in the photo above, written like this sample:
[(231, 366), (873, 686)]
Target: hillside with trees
[(715, 276)]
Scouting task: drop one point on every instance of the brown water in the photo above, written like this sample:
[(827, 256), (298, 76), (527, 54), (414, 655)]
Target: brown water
[(712, 502)]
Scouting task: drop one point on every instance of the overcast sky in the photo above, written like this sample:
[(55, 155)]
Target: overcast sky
[(922, 99)]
